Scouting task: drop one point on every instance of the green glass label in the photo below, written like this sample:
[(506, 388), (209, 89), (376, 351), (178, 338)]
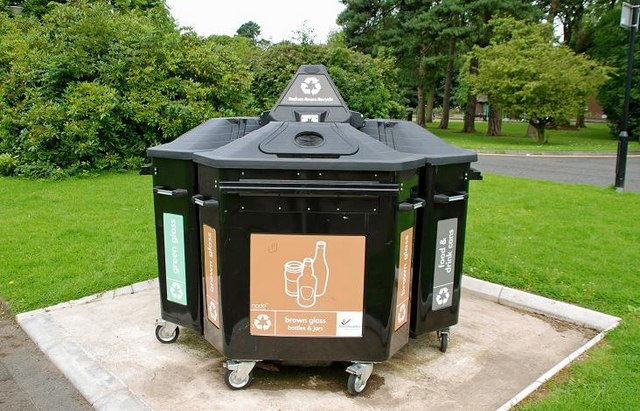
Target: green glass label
[(174, 258)]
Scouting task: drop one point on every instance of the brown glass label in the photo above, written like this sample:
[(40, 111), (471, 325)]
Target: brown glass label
[(403, 296), (307, 285), (212, 293)]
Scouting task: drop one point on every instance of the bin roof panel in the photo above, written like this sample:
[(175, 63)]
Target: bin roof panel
[(411, 138), (213, 133), (309, 146)]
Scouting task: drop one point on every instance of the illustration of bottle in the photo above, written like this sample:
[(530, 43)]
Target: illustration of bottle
[(292, 270), (321, 268), (307, 285)]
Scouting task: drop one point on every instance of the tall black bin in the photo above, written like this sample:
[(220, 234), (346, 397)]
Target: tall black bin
[(177, 229), (441, 224), (307, 242)]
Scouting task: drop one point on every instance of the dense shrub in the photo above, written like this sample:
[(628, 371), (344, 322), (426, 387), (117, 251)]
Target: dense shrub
[(91, 87), (367, 84)]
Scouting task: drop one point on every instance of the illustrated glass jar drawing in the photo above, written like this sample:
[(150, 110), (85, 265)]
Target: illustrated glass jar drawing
[(308, 279)]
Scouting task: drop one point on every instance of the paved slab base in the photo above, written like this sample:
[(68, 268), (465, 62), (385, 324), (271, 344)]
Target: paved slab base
[(106, 346)]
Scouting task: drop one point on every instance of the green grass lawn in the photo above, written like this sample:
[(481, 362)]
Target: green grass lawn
[(71, 238), (596, 137), (74, 237)]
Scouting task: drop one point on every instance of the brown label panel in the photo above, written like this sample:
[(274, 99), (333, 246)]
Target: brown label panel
[(212, 292), (307, 285), (403, 295)]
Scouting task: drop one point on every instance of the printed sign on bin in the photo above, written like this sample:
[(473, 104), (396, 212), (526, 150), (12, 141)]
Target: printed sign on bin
[(212, 293), (174, 262), (404, 278), (307, 285)]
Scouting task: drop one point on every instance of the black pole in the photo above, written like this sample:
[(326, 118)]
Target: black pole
[(623, 143)]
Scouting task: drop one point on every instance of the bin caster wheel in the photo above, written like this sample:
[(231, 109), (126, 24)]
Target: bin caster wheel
[(355, 384), (443, 336), (233, 381), (165, 335)]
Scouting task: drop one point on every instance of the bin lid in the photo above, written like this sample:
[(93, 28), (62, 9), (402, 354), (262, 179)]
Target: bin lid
[(209, 135), (309, 146), (409, 137)]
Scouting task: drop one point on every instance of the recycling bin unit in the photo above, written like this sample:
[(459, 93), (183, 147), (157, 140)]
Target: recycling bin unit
[(441, 224), (310, 235), (177, 229), (307, 236)]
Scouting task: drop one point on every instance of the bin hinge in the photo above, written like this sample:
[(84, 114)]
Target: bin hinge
[(148, 170), (446, 199), (412, 204), (473, 174), (171, 192), (205, 202)]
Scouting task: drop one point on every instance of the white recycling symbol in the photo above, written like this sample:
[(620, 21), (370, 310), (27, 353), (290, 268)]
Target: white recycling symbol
[(176, 291), (262, 322), (443, 296), (311, 85), (402, 313), (213, 310)]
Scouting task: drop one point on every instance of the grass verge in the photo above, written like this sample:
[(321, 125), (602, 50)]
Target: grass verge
[(572, 243), (596, 137), (71, 238)]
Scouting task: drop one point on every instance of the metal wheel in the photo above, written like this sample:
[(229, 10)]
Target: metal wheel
[(165, 336), (444, 341), (235, 383), (355, 385)]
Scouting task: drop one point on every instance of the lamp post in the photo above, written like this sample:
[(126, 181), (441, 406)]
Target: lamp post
[(628, 19)]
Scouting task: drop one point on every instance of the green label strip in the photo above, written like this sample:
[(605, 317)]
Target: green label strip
[(174, 258)]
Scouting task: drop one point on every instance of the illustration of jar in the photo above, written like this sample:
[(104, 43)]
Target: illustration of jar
[(292, 270), (307, 285)]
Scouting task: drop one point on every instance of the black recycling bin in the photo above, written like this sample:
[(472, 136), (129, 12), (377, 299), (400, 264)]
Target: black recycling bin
[(177, 228), (440, 228), (307, 236), (316, 237)]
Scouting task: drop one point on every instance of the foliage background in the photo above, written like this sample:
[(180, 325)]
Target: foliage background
[(89, 85)]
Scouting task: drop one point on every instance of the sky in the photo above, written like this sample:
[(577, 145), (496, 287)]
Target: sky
[(278, 19)]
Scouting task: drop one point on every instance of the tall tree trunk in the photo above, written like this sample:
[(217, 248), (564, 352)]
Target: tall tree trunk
[(470, 110), (580, 123), (420, 111), (553, 11), (431, 100), (446, 101), (540, 126), (495, 121)]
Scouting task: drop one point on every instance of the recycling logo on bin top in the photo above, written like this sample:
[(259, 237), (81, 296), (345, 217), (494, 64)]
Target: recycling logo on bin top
[(213, 310), (402, 313), (311, 85)]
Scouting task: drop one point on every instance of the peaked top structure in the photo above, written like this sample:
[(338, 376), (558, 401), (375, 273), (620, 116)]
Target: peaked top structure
[(311, 96)]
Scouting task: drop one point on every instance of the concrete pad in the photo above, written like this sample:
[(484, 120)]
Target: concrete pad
[(107, 348)]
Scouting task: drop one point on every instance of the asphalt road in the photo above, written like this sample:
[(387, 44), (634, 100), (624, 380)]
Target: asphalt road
[(595, 170)]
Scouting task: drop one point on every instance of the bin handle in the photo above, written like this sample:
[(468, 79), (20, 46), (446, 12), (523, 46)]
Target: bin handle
[(412, 204), (446, 199), (171, 192), (205, 202), (147, 170)]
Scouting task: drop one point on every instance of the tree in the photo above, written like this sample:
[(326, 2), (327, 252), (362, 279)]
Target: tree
[(610, 46), (250, 30), (524, 71), (478, 13), (91, 87), (418, 32)]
